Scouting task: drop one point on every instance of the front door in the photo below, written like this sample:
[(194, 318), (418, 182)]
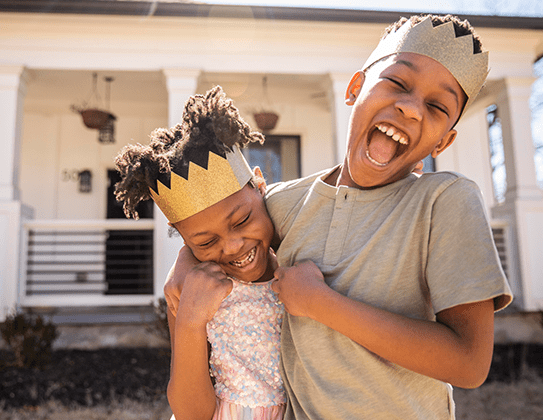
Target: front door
[(129, 253)]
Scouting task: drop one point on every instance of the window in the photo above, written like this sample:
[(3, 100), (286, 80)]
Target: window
[(536, 106), (278, 157), (497, 157), (429, 164)]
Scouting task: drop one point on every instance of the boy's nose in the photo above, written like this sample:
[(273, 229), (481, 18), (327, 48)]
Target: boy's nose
[(410, 107)]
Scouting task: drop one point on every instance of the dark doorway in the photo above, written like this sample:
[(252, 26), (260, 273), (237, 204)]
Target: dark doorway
[(129, 253)]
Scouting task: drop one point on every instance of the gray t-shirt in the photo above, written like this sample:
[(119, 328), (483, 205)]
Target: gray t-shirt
[(414, 247)]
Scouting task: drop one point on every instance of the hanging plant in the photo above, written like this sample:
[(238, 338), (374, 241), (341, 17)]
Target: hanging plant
[(266, 119), (94, 117)]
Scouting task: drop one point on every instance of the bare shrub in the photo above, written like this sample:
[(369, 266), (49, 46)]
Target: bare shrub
[(30, 338)]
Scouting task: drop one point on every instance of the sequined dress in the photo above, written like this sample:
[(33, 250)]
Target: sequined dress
[(244, 360)]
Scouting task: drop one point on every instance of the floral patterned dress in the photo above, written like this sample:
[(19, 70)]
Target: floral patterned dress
[(244, 360)]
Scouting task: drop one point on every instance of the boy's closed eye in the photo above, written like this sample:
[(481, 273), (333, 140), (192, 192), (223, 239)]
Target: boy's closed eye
[(396, 82), (437, 106), (440, 108)]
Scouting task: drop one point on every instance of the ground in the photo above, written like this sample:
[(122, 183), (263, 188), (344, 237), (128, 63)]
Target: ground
[(125, 384)]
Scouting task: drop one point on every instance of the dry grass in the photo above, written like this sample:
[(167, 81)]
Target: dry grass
[(519, 400), (128, 410)]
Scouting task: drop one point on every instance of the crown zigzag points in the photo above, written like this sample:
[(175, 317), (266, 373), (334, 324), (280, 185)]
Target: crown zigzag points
[(203, 188)]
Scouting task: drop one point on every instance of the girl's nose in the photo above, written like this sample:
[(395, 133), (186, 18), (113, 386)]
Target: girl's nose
[(232, 245), (410, 107)]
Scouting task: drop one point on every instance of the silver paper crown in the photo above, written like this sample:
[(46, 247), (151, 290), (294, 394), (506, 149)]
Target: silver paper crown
[(440, 43)]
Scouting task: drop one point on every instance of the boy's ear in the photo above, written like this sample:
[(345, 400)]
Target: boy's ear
[(445, 142), (261, 182), (353, 89)]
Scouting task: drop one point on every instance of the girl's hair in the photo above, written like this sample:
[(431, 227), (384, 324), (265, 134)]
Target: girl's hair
[(211, 122), (461, 27)]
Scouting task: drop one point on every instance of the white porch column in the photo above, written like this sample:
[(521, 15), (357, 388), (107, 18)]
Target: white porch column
[(180, 83), (341, 113), (523, 205), (12, 94)]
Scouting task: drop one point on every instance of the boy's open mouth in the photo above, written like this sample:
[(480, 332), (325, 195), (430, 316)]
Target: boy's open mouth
[(245, 259), (385, 143)]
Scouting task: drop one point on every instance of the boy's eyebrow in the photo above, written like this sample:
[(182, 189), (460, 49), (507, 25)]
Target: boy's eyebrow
[(406, 63), (446, 87), (230, 215)]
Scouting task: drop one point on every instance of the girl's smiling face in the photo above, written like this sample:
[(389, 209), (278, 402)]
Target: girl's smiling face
[(235, 233), (404, 109)]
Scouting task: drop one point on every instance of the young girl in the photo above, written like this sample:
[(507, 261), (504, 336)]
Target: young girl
[(199, 179)]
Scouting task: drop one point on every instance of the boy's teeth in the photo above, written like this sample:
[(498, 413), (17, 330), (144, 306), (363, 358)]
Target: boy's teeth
[(247, 260), (392, 133)]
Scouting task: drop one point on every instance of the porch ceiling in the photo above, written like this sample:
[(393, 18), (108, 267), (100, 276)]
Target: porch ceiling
[(149, 86)]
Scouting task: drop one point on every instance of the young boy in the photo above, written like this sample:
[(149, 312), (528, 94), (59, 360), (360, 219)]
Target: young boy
[(393, 278), (411, 276)]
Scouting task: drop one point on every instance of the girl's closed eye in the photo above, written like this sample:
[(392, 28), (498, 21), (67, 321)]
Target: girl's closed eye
[(206, 244), (243, 220)]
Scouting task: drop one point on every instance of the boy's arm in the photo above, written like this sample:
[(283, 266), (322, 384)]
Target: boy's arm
[(455, 349)]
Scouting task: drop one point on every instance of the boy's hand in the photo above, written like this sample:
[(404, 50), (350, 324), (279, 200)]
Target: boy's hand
[(297, 286), (419, 168), (204, 288)]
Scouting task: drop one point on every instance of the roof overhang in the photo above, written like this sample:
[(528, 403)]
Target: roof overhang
[(196, 9)]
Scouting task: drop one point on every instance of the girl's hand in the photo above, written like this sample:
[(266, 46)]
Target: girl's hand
[(174, 282), (297, 286), (204, 288)]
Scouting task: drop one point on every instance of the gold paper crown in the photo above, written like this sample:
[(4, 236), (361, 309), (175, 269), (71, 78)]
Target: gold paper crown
[(440, 43), (204, 187)]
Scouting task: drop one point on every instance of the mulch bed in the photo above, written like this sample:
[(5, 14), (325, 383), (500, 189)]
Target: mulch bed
[(87, 378), (98, 377)]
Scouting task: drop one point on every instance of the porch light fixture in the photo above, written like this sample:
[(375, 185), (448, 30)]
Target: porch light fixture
[(266, 120), (96, 118), (85, 181), (83, 177)]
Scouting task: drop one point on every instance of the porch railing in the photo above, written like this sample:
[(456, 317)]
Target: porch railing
[(110, 262), (500, 232), (87, 262)]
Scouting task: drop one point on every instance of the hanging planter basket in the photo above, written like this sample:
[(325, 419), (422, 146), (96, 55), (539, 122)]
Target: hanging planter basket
[(95, 118), (266, 121)]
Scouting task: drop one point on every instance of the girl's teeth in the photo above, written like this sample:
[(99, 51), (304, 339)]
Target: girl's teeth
[(247, 260)]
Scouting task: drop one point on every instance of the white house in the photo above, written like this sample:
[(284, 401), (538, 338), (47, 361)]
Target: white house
[(63, 246)]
